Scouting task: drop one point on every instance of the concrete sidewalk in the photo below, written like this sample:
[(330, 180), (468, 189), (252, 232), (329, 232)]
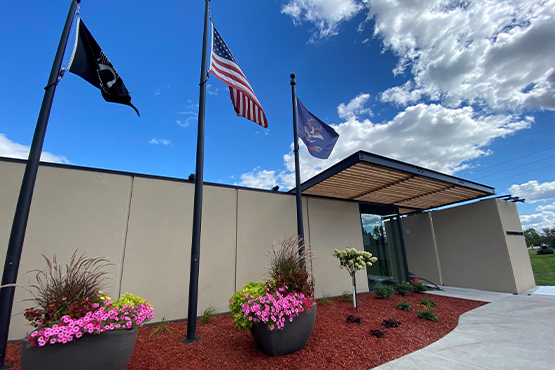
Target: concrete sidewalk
[(511, 332)]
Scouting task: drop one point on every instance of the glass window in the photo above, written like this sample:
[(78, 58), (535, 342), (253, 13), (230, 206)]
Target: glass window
[(381, 238)]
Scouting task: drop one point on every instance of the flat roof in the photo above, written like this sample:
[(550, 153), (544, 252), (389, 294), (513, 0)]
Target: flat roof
[(367, 177)]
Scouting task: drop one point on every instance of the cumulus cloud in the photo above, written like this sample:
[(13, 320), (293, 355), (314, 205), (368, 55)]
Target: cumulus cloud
[(494, 53), (260, 179), (324, 14), (160, 142), (427, 135), (11, 149), (538, 221), (543, 208), (355, 107), (534, 191)]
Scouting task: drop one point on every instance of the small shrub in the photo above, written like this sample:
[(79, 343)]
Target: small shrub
[(391, 323), (428, 314), (347, 296), (163, 326), (207, 314), (325, 299), (129, 299), (403, 288), (419, 287), (428, 303), (384, 291), (250, 291), (354, 319), (377, 332), (404, 306)]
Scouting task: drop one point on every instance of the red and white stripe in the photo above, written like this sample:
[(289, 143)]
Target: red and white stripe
[(242, 95)]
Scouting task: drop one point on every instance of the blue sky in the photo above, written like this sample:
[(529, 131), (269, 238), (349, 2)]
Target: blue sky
[(466, 88)]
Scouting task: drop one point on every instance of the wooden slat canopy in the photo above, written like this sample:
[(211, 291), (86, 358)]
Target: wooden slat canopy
[(371, 178)]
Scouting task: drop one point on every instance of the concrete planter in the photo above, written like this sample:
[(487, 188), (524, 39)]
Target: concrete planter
[(292, 338), (108, 351)]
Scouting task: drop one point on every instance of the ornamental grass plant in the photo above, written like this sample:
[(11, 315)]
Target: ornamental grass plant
[(291, 265), (288, 292), (71, 303)]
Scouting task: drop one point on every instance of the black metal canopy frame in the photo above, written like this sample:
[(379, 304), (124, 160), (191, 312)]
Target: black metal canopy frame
[(372, 179)]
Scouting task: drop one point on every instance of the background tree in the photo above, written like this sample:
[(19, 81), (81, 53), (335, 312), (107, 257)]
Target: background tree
[(532, 237)]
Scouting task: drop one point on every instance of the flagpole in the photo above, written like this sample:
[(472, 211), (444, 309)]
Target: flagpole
[(17, 236), (197, 209), (300, 227)]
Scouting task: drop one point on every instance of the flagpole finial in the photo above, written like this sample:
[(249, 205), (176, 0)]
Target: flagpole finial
[(293, 79)]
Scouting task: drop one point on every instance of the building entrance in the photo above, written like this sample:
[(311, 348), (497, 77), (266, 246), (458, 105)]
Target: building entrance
[(382, 237)]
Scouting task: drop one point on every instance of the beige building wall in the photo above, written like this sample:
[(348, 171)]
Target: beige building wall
[(262, 218), (144, 224), (472, 247), (516, 246), (421, 248), (334, 225), (71, 209), (157, 258)]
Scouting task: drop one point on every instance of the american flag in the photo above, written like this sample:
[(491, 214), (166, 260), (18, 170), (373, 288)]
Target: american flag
[(224, 66)]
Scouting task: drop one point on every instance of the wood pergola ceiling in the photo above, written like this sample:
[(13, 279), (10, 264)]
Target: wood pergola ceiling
[(371, 178)]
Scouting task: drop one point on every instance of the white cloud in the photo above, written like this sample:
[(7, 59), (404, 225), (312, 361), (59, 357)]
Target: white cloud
[(538, 221), (160, 142), (494, 53), (261, 179), (192, 114), (490, 52), (11, 149), (355, 107), (431, 136), (212, 91), (534, 191), (324, 14), (186, 122), (543, 208)]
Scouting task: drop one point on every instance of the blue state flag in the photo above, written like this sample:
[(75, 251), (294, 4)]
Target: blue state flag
[(318, 137)]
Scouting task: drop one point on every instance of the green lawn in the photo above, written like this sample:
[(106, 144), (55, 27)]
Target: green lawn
[(544, 268)]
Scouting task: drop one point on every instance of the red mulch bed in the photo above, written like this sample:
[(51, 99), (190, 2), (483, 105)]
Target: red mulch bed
[(334, 344)]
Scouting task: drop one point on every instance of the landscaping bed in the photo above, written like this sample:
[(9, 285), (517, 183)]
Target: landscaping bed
[(334, 344)]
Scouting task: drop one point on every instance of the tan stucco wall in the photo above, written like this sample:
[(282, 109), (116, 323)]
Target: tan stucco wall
[(71, 210), (334, 225), (157, 258), (420, 246), (472, 248), (516, 246), (144, 226), (262, 218)]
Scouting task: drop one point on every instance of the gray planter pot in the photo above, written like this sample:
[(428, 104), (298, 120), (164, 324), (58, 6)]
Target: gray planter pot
[(292, 338), (107, 351)]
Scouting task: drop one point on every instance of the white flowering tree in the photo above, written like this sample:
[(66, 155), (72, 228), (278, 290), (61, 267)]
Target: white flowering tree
[(353, 260)]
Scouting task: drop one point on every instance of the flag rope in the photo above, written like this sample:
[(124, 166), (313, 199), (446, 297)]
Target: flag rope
[(60, 75)]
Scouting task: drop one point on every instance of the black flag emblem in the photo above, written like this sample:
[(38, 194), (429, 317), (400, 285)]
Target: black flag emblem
[(89, 62)]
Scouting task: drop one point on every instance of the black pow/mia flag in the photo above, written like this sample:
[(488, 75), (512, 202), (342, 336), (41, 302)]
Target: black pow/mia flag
[(89, 62)]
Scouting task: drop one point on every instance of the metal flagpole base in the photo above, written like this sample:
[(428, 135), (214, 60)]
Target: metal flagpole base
[(187, 340)]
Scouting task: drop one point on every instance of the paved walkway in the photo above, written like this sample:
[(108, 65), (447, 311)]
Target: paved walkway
[(511, 332)]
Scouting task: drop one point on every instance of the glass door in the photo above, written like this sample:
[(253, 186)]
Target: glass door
[(382, 238)]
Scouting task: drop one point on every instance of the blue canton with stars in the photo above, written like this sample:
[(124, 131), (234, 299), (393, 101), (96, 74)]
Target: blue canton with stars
[(221, 49)]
